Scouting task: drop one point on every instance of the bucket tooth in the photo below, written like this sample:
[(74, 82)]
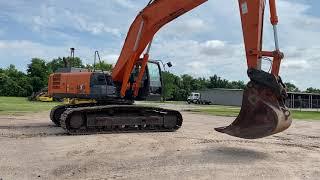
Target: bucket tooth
[(262, 114)]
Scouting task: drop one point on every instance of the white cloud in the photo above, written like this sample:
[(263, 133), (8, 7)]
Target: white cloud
[(83, 23), (203, 58), (302, 64), (22, 48), (183, 27), (111, 58), (46, 16), (197, 68), (20, 52), (213, 47), (125, 3)]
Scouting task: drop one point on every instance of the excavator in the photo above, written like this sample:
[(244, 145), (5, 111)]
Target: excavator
[(135, 76)]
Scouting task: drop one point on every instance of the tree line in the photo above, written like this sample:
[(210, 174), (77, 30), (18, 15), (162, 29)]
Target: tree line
[(17, 83), (178, 88)]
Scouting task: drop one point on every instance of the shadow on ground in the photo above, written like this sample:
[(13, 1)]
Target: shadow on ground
[(233, 155)]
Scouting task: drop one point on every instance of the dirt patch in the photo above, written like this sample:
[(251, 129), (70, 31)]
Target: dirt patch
[(33, 148)]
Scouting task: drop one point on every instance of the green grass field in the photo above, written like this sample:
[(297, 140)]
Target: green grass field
[(18, 105), (234, 111)]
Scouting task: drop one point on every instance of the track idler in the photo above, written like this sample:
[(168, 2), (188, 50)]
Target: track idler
[(263, 111)]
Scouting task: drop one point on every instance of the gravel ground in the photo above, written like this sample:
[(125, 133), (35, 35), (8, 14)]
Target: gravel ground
[(33, 148)]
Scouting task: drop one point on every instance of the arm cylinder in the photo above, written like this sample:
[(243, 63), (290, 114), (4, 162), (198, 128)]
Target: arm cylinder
[(276, 40), (274, 21)]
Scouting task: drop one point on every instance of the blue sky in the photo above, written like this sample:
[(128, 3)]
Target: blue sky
[(204, 42)]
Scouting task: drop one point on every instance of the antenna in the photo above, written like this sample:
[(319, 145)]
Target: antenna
[(96, 54), (71, 55)]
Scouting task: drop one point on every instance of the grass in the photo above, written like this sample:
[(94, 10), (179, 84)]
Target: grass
[(18, 105), (218, 111), (161, 102), (234, 111), (313, 115)]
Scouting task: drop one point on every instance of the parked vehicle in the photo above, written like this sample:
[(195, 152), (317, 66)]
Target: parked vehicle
[(197, 98)]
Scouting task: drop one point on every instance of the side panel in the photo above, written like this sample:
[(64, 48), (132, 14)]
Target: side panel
[(57, 83), (69, 83)]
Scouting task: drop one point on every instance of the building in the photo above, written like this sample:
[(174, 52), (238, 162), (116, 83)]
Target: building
[(303, 100), (233, 97), (227, 97)]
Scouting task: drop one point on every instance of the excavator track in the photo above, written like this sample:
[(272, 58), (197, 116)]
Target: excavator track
[(57, 111), (119, 118), (55, 114)]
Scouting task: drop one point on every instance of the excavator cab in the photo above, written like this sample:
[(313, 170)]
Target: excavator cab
[(151, 82), (155, 75)]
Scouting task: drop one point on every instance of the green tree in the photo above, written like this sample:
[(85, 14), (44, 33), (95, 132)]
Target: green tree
[(8, 86), (200, 83), (187, 83), (59, 62), (171, 84), (38, 73), (14, 82), (103, 65), (313, 90), (217, 82), (180, 95), (291, 87), (178, 88), (237, 85)]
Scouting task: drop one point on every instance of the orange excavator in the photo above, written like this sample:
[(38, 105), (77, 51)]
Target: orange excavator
[(134, 76)]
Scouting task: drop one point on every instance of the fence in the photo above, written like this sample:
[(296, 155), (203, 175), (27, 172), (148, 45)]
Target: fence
[(303, 104)]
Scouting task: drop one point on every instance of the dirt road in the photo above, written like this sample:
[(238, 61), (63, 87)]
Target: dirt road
[(32, 148)]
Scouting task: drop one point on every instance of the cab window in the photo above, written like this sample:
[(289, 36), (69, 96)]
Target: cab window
[(154, 74)]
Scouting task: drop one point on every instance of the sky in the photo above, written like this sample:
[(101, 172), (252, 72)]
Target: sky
[(206, 41)]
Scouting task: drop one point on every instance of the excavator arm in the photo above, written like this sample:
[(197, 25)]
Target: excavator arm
[(154, 16), (252, 16), (263, 111)]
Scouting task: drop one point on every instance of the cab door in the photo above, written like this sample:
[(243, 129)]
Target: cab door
[(151, 83), (156, 82)]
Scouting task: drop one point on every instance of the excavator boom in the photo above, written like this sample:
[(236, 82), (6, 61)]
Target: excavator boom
[(154, 16)]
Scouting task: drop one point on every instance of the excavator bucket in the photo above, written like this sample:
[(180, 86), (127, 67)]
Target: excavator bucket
[(262, 114)]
